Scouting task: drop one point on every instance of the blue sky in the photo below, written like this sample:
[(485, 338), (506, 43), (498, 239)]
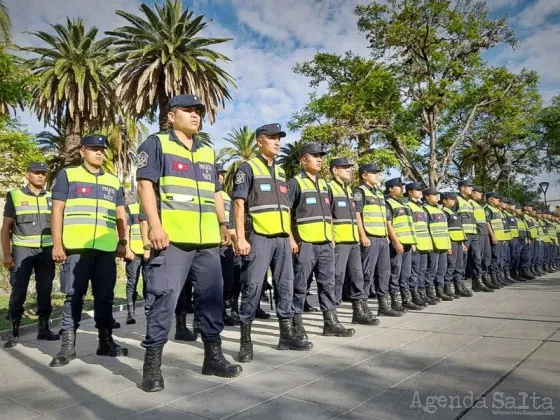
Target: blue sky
[(271, 36)]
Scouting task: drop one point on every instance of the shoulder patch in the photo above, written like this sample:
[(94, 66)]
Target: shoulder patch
[(142, 160), (358, 196), (240, 177)]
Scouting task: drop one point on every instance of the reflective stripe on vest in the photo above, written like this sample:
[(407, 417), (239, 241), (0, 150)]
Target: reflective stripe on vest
[(90, 214), (403, 225), (313, 213), (552, 232), (466, 211), (187, 190), (479, 217), (374, 213), (543, 232), (268, 202), (512, 223), (227, 205), (437, 224), (497, 223), (420, 219), (343, 209), (136, 243), (455, 226), (32, 226), (522, 227), (505, 222), (532, 226)]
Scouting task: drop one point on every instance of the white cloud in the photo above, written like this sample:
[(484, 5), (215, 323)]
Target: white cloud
[(501, 4), (538, 12)]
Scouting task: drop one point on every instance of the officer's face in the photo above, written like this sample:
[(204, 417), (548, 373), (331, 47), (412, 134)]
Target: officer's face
[(312, 162), (93, 155), (221, 177), (344, 173), (396, 191), (372, 178), (432, 199), (185, 119), (415, 194), (449, 202), (37, 178), (466, 190), (477, 195), (269, 145)]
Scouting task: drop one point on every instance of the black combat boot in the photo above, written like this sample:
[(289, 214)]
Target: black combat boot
[(261, 314), (486, 280), (216, 364), (461, 289), (13, 336), (408, 303), (152, 380), (509, 280), (479, 286), (494, 278), (44, 332), (332, 326), (107, 347), (246, 346), (527, 274), (130, 314), (182, 332), (229, 320), (385, 307), (67, 351), (289, 340), (541, 271), (361, 313), (549, 268), (448, 289), (441, 293), (396, 303), (299, 329), (115, 325), (432, 296)]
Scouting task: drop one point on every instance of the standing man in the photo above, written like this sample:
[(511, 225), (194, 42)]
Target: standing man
[(458, 248), (479, 266), (27, 226), (424, 245), (88, 222), (180, 194), (400, 227), (498, 236), (509, 211), (263, 240), (371, 213), (471, 259), (312, 241), (506, 252), (347, 249), (527, 252)]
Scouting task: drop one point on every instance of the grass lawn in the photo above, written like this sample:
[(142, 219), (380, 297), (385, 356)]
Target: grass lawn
[(30, 317)]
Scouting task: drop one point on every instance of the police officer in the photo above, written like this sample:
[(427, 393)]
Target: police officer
[(509, 210), (465, 209), (180, 194), (88, 222), (27, 226), (505, 249), (424, 245), (481, 280), (497, 234), (453, 277), (371, 213), (439, 232), (527, 252), (553, 241), (347, 249), (524, 238), (400, 227), (261, 193), (312, 241)]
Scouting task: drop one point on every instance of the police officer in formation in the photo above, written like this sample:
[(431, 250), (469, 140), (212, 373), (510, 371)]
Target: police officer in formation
[(482, 283), (27, 246), (441, 244), (180, 195)]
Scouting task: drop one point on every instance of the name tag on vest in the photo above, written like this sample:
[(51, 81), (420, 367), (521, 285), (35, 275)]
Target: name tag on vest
[(310, 200), (341, 203), (266, 187), (180, 198)]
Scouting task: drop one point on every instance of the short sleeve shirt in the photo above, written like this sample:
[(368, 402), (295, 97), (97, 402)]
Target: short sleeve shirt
[(243, 180)]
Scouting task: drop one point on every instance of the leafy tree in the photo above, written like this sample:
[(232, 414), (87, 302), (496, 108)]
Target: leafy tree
[(549, 129), (5, 24), (14, 80), (243, 147), (162, 55), (73, 81), (289, 158)]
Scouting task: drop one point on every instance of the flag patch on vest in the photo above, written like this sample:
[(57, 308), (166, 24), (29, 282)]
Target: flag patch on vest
[(25, 203), (401, 212), (180, 166), (327, 200), (84, 191), (266, 187), (310, 200), (283, 189), (341, 203)]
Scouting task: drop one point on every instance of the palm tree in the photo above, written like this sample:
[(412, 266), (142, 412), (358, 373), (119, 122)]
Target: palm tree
[(204, 139), (243, 147), (5, 24), (52, 146), (73, 81), (162, 56), (289, 158)]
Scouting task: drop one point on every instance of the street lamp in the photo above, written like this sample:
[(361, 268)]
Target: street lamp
[(544, 188), (506, 168)]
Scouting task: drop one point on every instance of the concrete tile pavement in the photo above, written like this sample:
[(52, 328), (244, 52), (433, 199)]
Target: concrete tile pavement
[(492, 351)]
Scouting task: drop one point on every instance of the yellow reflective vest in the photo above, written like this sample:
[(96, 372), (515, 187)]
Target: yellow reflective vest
[(437, 224), (343, 209), (455, 226), (466, 211), (136, 243), (543, 232), (497, 223), (313, 212), (32, 225), (420, 218), (403, 225), (479, 217), (532, 226), (374, 213), (90, 214)]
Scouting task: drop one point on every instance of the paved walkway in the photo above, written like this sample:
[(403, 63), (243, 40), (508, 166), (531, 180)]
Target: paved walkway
[(426, 365)]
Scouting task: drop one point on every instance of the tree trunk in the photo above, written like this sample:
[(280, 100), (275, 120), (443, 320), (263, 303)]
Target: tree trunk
[(363, 143), (163, 108), (73, 137)]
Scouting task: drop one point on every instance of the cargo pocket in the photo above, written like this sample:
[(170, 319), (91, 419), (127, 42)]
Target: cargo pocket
[(155, 271), (66, 284)]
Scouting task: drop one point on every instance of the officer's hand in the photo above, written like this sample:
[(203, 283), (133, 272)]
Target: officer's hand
[(465, 249), (121, 251), (147, 254), (365, 242), (449, 252), (159, 238), (243, 247), (226, 236), (129, 255), (398, 247), (495, 241), (8, 261), (413, 248), (58, 254), (294, 246)]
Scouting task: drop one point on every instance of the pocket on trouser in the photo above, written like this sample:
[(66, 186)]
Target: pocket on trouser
[(66, 277), (155, 272)]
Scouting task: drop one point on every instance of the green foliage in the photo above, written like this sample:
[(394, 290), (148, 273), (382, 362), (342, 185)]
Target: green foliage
[(549, 128), (243, 147), (5, 24), (14, 80)]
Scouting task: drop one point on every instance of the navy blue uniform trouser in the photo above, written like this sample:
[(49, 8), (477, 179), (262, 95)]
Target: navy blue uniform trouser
[(376, 264), (133, 269), (166, 273), (27, 261), (319, 260), (526, 255), (514, 252), (75, 274), (267, 252), (437, 267), (472, 258), (455, 263), (537, 248), (227, 261), (348, 265), (485, 254), (419, 267), (505, 256), (496, 262), (400, 269)]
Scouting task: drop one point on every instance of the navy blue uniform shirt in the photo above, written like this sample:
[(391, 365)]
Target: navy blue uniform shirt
[(243, 180)]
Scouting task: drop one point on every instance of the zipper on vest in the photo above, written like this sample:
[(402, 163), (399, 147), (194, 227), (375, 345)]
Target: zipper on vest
[(96, 211), (39, 220), (198, 194), (273, 173), (322, 208), (352, 213)]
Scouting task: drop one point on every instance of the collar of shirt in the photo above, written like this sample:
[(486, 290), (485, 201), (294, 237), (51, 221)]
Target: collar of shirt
[(27, 191), (265, 161), (317, 177), (369, 187), (173, 137), (400, 200), (101, 171)]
